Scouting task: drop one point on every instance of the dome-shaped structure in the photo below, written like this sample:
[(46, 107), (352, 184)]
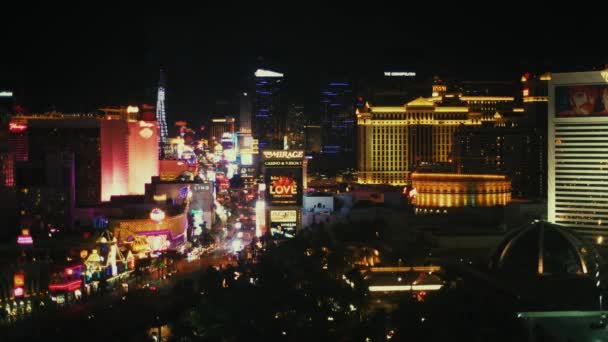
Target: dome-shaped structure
[(549, 265), (544, 249)]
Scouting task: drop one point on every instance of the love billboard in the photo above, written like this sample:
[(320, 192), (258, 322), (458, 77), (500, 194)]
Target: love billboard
[(283, 177)]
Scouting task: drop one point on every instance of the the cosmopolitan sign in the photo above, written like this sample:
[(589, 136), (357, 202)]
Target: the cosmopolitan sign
[(399, 74)]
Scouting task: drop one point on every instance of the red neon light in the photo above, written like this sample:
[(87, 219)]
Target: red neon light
[(71, 270), (17, 127), (74, 285), (18, 291)]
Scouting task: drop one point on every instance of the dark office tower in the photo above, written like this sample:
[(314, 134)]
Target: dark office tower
[(245, 113), (7, 160), (8, 209), (58, 166), (295, 127), (486, 87), (312, 138), (268, 115), (535, 101), (504, 149), (338, 118), (70, 139), (224, 107)]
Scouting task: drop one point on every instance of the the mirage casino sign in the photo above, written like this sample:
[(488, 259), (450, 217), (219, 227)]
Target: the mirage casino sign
[(283, 154)]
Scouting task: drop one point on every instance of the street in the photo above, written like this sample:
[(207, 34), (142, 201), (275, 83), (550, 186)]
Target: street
[(118, 315)]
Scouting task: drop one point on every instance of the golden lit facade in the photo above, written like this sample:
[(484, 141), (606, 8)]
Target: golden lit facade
[(441, 192), (166, 233), (394, 140)]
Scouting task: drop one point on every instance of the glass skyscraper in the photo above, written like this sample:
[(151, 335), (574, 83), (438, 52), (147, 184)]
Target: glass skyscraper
[(268, 122), (337, 118)]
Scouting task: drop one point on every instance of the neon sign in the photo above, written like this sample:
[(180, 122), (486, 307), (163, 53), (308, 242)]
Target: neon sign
[(438, 88), (157, 215), (17, 127), (25, 238), (399, 73), (18, 284), (283, 186), (132, 109), (283, 154), (71, 286), (146, 133), (18, 280)]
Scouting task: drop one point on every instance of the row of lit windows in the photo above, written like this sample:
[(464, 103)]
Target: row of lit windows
[(581, 198)]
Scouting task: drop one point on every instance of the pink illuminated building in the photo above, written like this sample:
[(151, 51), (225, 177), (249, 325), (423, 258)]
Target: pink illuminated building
[(143, 155), (129, 156), (114, 158)]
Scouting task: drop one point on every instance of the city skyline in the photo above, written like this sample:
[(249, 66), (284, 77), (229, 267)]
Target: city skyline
[(326, 174)]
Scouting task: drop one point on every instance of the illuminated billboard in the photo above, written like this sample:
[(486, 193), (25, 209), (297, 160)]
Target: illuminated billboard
[(581, 100), (247, 171), (284, 186), (283, 177), (283, 223), (283, 215)]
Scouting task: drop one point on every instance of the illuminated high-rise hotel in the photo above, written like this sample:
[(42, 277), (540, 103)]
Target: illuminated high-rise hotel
[(578, 152), (393, 141)]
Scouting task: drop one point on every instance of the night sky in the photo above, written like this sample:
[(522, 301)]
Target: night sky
[(80, 63)]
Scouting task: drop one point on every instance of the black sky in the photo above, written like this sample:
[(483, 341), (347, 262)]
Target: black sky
[(80, 62)]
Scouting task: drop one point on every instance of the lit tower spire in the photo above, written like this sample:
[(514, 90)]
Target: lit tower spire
[(161, 115)]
